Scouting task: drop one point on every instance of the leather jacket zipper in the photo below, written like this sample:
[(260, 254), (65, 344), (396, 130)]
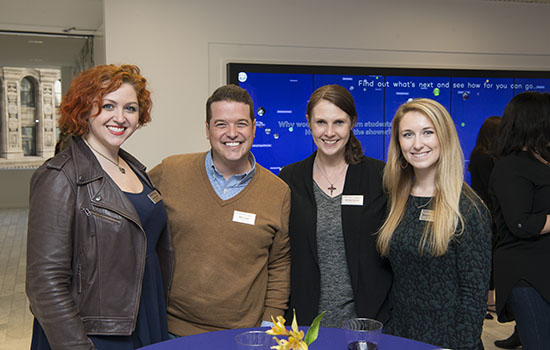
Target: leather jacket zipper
[(79, 280), (143, 255), (89, 212)]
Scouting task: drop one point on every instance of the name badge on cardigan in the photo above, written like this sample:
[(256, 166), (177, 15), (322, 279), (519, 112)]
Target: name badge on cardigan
[(154, 196), (426, 215), (355, 199), (244, 218)]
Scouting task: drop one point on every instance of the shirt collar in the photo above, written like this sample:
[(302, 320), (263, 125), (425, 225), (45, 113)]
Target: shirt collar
[(212, 171)]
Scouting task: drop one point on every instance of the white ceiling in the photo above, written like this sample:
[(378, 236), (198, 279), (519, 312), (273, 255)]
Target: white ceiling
[(46, 34)]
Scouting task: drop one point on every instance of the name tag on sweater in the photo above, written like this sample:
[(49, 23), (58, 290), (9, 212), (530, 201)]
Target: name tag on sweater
[(356, 199), (244, 218), (426, 215)]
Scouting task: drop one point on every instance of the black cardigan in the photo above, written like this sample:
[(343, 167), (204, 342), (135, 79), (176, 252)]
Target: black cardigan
[(371, 275), (520, 190)]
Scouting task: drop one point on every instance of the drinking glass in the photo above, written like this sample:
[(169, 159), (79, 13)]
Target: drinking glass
[(254, 340), (362, 333)]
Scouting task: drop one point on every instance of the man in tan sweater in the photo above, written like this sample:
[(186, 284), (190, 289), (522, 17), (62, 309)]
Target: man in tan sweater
[(229, 222)]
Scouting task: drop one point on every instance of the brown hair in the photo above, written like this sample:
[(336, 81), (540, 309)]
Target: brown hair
[(487, 135), (341, 98), (88, 89), (232, 93)]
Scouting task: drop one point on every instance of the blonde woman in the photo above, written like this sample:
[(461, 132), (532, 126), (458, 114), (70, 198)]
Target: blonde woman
[(437, 235)]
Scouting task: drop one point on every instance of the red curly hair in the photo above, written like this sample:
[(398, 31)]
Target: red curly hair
[(89, 88)]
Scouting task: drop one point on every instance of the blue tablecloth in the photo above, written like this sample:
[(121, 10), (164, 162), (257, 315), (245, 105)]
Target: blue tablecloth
[(329, 339)]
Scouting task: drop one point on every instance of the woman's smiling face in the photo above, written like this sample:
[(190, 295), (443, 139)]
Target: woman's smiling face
[(117, 120), (418, 141), (330, 128)]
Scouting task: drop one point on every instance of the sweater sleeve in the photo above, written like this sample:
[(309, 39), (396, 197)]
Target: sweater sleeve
[(473, 263), (278, 284), (514, 194), (49, 259)]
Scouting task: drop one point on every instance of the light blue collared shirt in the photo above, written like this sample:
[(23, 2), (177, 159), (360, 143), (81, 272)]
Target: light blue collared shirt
[(229, 188)]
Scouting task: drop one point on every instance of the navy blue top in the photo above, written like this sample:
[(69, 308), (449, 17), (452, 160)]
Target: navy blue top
[(151, 324)]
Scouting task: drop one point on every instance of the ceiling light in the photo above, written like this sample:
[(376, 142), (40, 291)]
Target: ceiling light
[(35, 42)]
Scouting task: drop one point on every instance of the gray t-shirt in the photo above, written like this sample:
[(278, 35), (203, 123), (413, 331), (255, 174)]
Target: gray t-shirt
[(336, 291)]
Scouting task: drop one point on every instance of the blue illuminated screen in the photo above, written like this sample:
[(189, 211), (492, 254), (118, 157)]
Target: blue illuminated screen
[(280, 94)]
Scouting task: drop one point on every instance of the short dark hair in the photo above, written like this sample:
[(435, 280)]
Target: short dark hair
[(341, 98), (525, 125), (232, 93)]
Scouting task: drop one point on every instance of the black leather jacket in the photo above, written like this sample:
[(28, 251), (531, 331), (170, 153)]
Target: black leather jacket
[(86, 250)]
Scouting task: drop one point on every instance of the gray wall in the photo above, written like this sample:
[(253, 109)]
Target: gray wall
[(15, 188)]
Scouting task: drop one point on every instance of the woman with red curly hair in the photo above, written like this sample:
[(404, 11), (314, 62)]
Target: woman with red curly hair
[(99, 255)]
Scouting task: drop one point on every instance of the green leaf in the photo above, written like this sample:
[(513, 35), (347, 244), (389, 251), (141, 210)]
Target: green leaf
[(313, 330)]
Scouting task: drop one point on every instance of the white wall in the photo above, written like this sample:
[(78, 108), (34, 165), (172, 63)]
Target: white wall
[(183, 46)]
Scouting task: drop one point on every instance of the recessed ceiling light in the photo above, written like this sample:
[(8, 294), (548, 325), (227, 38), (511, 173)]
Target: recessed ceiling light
[(35, 59), (35, 42)]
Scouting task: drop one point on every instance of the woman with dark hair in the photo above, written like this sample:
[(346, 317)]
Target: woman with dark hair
[(480, 167), (337, 206), (520, 190), (482, 160), (437, 233), (99, 255)]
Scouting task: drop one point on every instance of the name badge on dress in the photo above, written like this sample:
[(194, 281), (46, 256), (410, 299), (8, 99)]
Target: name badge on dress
[(155, 196), (355, 199), (426, 215), (243, 217)]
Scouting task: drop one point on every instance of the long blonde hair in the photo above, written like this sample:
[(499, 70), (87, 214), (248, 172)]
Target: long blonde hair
[(449, 182)]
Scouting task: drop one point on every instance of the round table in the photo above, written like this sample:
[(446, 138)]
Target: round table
[(329, 339)]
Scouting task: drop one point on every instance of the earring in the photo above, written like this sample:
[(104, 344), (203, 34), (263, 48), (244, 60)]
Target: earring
[(403, 166)]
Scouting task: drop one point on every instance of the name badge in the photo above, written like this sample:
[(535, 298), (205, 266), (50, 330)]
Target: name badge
[(244, 218), (356, 199), (426, 215), (155, 196)]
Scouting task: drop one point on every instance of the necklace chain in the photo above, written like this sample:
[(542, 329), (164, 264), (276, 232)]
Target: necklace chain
[(323, 173), (117, 163), (423, 205)]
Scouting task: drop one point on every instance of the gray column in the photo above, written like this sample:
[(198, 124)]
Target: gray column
[(46, 138), (11, 130)]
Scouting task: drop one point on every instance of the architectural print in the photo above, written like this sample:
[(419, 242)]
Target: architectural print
[(29, 100)]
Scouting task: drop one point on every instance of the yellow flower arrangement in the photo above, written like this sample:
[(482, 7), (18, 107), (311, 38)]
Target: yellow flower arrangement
[(295, 336)]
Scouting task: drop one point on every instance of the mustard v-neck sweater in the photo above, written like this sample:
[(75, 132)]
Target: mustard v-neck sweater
[(227, 274)]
